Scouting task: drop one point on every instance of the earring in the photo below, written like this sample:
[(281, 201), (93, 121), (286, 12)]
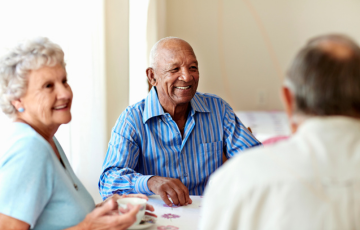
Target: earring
[(21, 110)]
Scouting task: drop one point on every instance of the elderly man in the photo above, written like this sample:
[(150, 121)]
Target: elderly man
[(169, 143), (312, 180)]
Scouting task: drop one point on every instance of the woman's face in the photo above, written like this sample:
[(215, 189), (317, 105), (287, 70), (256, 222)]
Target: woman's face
[(48, 98)]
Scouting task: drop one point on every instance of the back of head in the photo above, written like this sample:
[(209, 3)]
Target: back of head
[(325, 77)]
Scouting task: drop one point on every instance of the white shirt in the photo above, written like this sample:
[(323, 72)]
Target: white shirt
[(311, 181)]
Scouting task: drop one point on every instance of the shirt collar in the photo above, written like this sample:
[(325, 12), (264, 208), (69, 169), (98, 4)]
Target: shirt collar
[(198, 104), (153, 107)]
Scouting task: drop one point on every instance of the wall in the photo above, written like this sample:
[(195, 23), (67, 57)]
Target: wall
[(235, 62), (117, 60)]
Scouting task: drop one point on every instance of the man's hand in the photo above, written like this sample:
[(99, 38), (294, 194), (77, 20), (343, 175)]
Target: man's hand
[(165, 186)]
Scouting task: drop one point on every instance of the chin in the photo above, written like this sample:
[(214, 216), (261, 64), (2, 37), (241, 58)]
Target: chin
[(64, 120)]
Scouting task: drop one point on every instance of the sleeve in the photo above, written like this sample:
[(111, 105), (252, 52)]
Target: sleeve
[(236, 136), (119, 175), (26, 180)]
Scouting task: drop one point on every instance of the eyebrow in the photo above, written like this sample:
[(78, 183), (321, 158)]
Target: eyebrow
[(177, 64)]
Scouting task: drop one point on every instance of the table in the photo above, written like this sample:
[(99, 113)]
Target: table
[(178, 217), (265, 124)]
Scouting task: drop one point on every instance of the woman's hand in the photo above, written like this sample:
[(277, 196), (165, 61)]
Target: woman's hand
[(106, 216), (115, 197)]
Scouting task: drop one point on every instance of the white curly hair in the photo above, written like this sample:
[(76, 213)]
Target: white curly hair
[(15, 66)]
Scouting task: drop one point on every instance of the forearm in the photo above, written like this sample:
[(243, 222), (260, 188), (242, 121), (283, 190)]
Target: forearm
[(123, 181), (80, 226)]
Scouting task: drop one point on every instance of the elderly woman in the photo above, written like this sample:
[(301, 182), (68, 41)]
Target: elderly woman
[(39, 190)]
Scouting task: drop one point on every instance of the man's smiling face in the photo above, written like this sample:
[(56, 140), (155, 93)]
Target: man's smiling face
[(176, 73)]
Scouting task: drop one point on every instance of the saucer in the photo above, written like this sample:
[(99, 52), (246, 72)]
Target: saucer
[(146, 222)]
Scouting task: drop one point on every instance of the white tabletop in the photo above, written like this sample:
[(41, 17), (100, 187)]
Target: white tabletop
[(265, 124), (178, 217)]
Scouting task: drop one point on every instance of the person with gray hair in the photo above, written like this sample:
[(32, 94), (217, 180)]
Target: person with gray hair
[(169, 143), (39, 190), (311, 180)]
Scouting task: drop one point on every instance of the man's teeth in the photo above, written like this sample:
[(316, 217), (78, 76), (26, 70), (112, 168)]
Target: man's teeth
[(186, 87), (60, 107)]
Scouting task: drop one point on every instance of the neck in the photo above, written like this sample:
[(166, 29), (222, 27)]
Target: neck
[(47, 132), (177, 112), (295, 121)]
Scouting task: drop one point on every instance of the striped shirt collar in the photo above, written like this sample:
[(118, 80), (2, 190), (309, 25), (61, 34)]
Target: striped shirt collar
[(153, 107)]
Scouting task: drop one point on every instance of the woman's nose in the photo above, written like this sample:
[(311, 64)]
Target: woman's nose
[(64, 92)]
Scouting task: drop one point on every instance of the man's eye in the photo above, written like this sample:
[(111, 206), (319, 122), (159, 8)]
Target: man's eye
[(175, 70), (64, 81), (193, 67), (49, 85)]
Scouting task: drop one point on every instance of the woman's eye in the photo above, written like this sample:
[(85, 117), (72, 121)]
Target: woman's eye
[(175, 70)]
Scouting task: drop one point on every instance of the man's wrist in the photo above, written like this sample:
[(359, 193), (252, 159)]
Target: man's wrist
[(141, 185)]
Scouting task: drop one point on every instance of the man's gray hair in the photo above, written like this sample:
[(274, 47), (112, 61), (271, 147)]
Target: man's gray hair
[(154, 50), (16, 65), (325, 77)]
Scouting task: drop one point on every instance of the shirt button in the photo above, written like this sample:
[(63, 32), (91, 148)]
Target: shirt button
[(185, 174)]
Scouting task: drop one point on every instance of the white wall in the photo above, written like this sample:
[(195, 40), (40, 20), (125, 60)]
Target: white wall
[(234, 60), (117, 60)]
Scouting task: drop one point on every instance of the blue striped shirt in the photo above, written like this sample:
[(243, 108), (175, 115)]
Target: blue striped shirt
[(146, 141)]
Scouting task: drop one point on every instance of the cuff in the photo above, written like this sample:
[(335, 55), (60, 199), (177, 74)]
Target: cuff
[(142, 187)]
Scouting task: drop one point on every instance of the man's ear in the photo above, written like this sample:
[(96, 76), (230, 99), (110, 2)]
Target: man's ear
[(150, 73), (289, 103), (287, 99)]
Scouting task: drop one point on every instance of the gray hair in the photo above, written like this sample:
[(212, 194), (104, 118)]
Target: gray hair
[(16, 65), (325, 77), (154, 49)]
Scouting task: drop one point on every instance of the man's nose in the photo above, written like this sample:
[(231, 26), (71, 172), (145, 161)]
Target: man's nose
[(185, 75)]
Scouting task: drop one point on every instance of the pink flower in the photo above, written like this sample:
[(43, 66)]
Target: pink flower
[(170, 216), (173, 206), (169, 227)]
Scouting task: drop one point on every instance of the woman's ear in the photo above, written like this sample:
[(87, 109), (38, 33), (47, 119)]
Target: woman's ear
[(150, 73), (17, 104)]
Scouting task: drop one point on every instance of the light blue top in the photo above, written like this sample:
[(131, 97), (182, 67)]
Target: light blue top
[(146, 141), (35, 187)]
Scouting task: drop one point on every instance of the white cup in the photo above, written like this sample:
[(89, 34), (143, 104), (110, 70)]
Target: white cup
[(134, 201)]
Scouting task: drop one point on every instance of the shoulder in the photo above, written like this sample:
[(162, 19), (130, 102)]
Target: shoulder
[(136, 109), (212, 102), (208, 97), (25, 145), (258, 167), (132, 114)]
